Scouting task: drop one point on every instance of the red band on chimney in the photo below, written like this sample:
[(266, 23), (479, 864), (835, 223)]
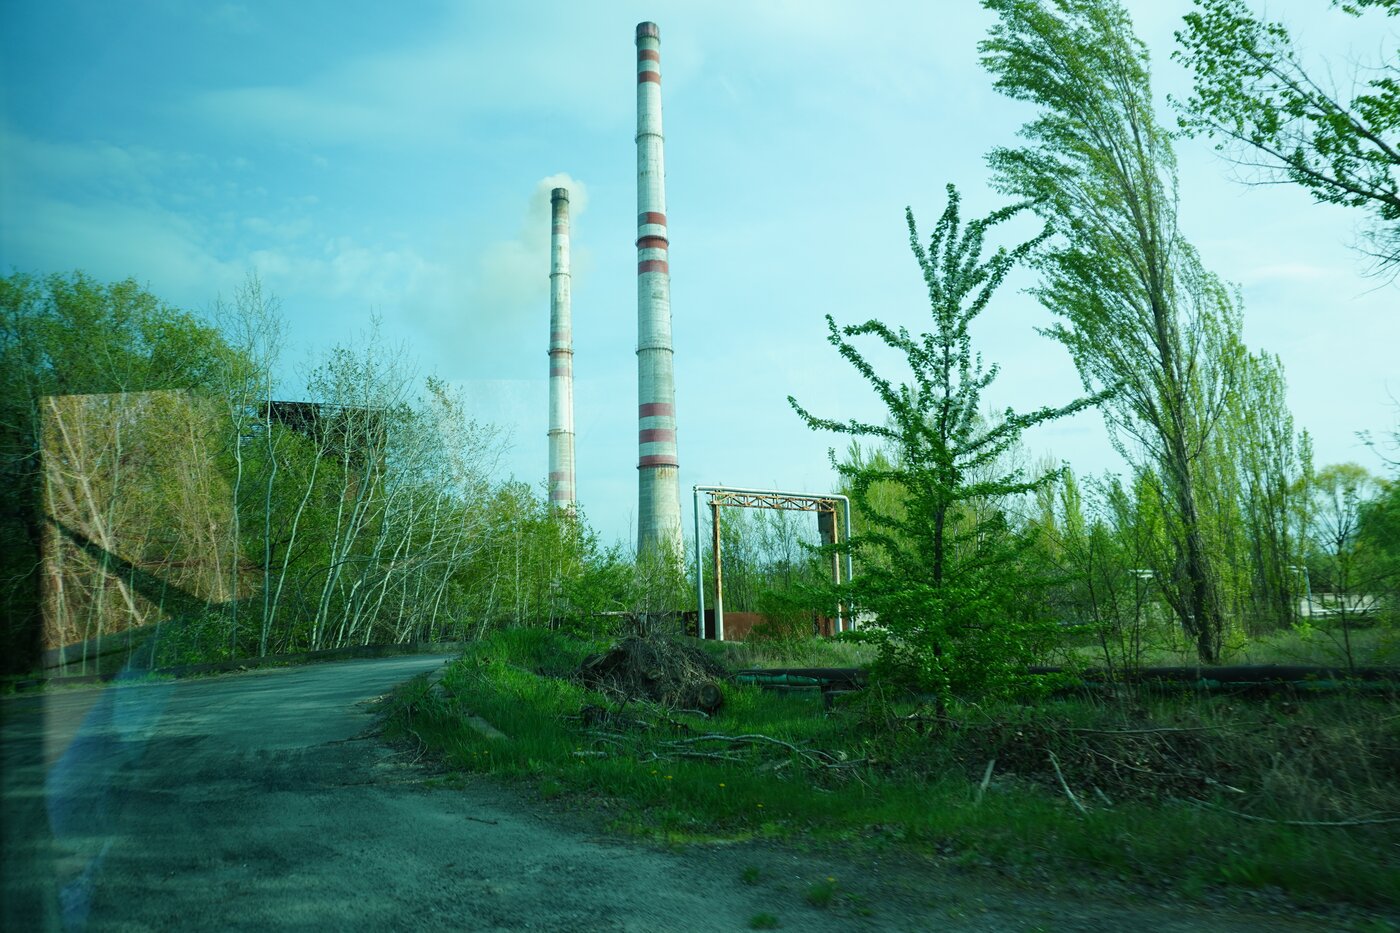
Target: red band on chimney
[(655, 410), (652, 217), (652, 76), (656, 435), (652, 242), (657, 461), (650, 55), (653, 265)]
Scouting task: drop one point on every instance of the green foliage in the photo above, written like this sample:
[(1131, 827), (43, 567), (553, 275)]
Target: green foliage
[(788, 612), (1350, 557), (1255, 95), (1378, 534), (822, 893), (68, 335), (946, 581), (917, 796), (366, 512), (1138, 311)]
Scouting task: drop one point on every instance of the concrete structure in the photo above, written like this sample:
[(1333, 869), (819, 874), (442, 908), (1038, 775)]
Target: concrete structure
[(658, 472), (561, 358)]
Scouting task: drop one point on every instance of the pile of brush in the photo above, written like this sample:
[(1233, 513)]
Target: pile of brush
[(658, 668)]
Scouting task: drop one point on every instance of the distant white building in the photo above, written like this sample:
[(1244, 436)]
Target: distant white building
[(1326, 605)]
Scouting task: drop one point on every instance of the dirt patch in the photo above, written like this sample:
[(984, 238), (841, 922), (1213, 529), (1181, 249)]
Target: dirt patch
[(658, 668)]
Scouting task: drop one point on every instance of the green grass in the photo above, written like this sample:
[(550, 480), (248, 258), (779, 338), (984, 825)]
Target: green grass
[(920, 791), (764, 922), (822, 893), (803, 652), (1373, 643)]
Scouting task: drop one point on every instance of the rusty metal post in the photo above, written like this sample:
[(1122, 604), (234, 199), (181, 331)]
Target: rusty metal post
[(719, 579), (658, 477), (561, 358)]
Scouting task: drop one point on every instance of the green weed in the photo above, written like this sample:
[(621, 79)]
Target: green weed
[(764, 922), (1324, 758), (822, 893)]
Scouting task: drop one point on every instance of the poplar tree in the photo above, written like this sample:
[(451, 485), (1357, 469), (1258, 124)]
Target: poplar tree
[(1273, 113), (1137, 310)]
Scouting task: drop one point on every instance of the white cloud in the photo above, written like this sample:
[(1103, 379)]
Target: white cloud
[(436, 89), (115, 211), (484, 315)]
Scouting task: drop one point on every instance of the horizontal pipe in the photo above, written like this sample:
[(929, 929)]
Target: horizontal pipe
[(1279, 675)]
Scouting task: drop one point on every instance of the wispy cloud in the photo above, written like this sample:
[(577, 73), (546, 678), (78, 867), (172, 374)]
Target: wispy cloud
[(434, 90), (493, 308), (160, 216)]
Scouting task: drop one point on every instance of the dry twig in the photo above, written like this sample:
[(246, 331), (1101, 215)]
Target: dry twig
[(1055, 762), (687, 748), (986, 779), (1265, 819), (1165, 730)]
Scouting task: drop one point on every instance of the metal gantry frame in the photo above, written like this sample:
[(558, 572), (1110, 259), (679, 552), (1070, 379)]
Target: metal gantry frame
[(743, 497)]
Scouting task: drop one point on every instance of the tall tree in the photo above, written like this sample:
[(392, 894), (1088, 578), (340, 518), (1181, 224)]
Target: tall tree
[(1379, 537), (1272, 461), (943, 586), (73, 335), (1138, 311), (1255, 95), (1342, 493)]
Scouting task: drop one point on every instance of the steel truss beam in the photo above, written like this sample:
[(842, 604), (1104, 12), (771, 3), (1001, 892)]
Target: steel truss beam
[(718, 497)]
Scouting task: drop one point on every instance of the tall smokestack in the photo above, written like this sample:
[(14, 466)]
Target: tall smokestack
[(561, 358), (658, 482)]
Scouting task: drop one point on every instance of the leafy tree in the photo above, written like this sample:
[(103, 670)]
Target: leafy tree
[(1341, 493), (1269, 464), (1378, 534), (1138, 312), (1255, 95), (72, 335), (943, 583)]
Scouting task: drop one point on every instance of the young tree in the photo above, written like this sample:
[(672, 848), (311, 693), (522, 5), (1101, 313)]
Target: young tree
[(1340, 493), (1254, 94), (942, 585), (1273, 464), (1379, 538), (1138, 311), (252, 325)]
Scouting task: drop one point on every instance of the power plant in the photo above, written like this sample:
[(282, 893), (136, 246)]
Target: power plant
[(561, 357), (658, 471)]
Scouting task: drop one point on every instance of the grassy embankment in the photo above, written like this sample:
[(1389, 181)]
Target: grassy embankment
[(1152, 777)]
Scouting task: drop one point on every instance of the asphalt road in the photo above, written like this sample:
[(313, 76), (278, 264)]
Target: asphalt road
[(261, 801)]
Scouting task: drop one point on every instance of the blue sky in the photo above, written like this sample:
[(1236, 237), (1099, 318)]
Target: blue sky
[(365, 160)]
